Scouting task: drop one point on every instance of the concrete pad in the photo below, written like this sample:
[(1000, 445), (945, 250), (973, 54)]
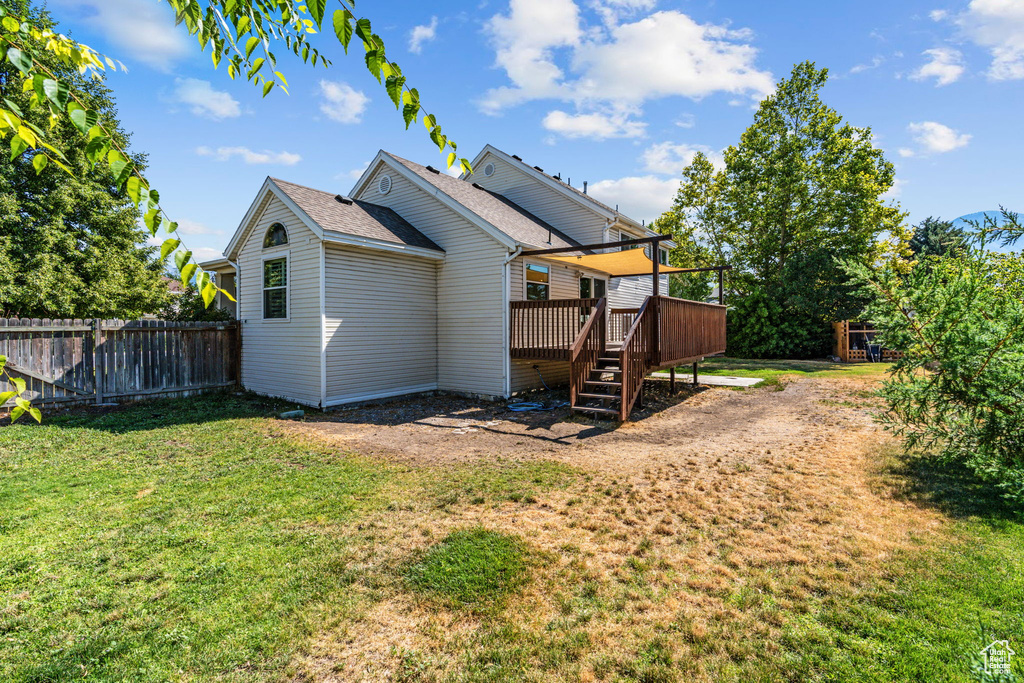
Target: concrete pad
[(712, 380)]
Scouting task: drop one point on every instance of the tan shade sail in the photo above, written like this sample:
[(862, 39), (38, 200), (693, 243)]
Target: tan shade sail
[(617, 263)]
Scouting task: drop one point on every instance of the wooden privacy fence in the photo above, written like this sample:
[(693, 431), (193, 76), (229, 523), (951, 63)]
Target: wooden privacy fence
[(96, 361)]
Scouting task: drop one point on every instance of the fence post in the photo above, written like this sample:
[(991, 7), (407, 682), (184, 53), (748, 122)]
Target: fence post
[(98, 360)]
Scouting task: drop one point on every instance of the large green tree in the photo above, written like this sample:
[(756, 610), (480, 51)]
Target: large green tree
[(70, 244), (801, 190), (936, 237)]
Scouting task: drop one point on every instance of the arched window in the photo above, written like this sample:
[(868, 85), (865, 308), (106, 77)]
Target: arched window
[(276, 236)]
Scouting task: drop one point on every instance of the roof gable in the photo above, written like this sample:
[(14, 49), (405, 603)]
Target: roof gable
[(494, 209)]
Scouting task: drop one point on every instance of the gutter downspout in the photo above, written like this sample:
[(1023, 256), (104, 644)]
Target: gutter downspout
[(506, 321)]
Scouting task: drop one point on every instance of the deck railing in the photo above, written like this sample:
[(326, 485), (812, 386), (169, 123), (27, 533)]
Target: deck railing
[(636, 357), (619, 322), (546, 330), (588, 348), (688, 330)]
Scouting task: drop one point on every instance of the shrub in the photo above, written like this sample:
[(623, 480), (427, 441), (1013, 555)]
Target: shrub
[(958, 391)]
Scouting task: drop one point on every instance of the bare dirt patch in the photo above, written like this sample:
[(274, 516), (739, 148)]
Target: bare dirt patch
[(699, 533)]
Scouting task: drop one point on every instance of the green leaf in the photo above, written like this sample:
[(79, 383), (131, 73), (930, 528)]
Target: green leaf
[(394, 87), (39, 162), (187, 272), (134, 189), (96, 149), (181, 258), (343, 27), (171, 227), (7, 396), (451, 159), (363, 31), (118, 164), (19, 59), (250, 45), (373, 63), (152, 217), (16, 413), (18, 146), (316, 10), (167, 247), (84, 119), (56, 92), (268, 86), (257, 64), (11, 24), (209, 292), (36, 413), (19, 383)]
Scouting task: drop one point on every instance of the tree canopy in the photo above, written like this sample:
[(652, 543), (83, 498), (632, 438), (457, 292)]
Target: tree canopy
[(801, 189), (936, 237), (70, 244)]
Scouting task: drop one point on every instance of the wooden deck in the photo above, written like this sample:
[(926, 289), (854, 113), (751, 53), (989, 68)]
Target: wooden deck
[(611, 351)]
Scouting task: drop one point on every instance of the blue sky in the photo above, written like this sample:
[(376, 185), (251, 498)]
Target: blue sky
[(616, 92)]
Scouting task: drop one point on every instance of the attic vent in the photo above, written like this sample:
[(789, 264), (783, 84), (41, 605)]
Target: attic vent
[(432, 169), (489, 170), (342, 199), (384, 184)]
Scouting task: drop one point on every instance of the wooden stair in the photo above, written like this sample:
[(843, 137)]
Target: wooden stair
[(602, 394)]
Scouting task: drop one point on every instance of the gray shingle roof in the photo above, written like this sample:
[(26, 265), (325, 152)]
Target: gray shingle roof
[(359, 218), (501, 212)]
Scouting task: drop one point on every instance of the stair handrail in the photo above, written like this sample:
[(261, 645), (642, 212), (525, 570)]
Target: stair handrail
[(592, 337), (633, 377)]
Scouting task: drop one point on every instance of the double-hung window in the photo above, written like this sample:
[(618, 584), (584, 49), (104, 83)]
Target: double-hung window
[(538, 282), (275, 288)]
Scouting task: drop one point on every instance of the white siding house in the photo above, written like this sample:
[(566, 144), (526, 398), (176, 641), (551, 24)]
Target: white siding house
[(403, 286)]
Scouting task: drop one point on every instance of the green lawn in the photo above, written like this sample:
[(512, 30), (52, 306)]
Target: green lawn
[(198, 540), (776, 371)]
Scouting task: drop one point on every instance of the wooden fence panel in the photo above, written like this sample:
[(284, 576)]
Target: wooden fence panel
[(91, 361)]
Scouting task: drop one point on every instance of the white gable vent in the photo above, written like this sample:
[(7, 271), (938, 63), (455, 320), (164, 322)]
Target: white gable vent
[(489, 170), (384, 184)]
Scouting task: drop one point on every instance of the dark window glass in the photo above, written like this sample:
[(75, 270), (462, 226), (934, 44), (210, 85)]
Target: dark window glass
[(537, 278), (663, 257), (585, 287), (276, 236), (600, 288), (275, 291)]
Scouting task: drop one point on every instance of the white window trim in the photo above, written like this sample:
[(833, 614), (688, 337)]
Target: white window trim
[(287, 236), (273, 255), (665, 252), (541, 265)]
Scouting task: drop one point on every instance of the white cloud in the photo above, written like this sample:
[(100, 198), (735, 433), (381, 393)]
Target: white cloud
[(594, 125), (937, 138), (203, 100), (138, 29), (945, 65), (876, 62), (997, 25), (905, 152), (686, 121), (896, 190), (670, 158), (639, 197), (206, 254), (422, 34), (618, 64), (341, 102), (938, 14), (249, 156), (189, 227)]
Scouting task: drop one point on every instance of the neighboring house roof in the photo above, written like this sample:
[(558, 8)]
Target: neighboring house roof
[(354, 216), (173, 284), (499, 211)]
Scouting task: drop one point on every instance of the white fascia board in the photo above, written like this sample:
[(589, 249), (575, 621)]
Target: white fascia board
[(250, 216), (448, 201), (369, 243)]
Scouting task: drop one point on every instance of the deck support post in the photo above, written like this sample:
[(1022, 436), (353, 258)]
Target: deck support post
[(672, 380), (694, 373)]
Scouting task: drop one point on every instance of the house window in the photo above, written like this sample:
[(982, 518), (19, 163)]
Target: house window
[(538, 280), (663, 257), (593, 287), (275, 288), (626, 236), (276, 236)]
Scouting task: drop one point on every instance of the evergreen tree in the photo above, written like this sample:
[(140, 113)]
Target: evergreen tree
[(70, 245), (936, 237)]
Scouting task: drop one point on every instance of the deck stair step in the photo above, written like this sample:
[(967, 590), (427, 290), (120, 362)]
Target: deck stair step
[(601, 397), (594, 409), (602, 383)]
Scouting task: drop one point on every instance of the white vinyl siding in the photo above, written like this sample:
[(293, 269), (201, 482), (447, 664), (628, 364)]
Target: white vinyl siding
[(381, 324), (548, 204), (471, 345), (281, 357), (564, 284)]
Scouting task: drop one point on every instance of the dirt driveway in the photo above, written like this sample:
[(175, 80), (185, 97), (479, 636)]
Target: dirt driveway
[(725, 425)]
